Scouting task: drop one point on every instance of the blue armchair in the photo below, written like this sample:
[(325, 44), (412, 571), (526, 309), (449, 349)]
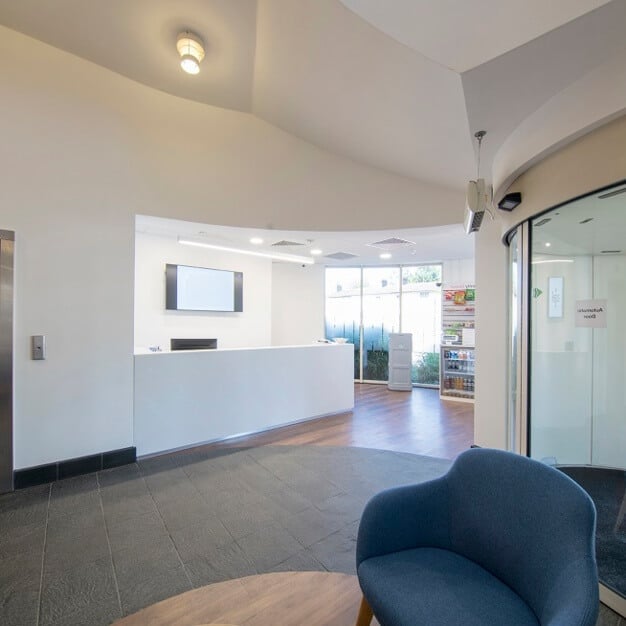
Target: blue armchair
[(499, 540)]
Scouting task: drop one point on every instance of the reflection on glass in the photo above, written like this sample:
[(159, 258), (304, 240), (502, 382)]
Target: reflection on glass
[(577, 371), (363, 305), (381, 316), (343, 307), (421, 316)]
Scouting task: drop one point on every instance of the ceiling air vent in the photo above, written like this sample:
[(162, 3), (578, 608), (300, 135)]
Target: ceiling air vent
[(545, 220), (284, 242), (610, 194), (610, 251), (391, 242), (340, 256), (589, 219)]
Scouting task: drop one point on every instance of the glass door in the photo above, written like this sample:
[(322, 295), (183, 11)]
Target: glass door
[(577, 372), (421, 316)]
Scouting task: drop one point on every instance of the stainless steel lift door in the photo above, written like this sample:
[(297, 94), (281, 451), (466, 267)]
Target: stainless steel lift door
[(6, 360)]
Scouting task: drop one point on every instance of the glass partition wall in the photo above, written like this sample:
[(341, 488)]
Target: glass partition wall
[(567, 378), (365, 304)]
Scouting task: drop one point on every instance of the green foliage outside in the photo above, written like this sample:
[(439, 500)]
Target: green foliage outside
[(377, 365), (426, 370), (422, 274)]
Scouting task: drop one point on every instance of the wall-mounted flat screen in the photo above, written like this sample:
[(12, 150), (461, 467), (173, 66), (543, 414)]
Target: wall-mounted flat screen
[(202, 289)]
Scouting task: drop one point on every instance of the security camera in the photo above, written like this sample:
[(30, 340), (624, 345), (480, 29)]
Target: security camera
[(438, 284), (304, 265)]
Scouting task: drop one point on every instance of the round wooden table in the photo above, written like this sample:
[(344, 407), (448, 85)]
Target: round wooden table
[(281, 599)]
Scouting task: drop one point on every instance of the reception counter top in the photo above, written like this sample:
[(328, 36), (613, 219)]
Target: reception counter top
[(191, 397)]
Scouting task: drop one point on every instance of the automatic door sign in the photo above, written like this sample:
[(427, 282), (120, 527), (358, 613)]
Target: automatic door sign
[(591, 313)]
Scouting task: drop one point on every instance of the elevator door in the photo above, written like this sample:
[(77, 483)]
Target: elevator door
[(6, 360)]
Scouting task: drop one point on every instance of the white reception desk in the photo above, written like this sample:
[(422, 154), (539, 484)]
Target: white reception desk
[(188, 398)]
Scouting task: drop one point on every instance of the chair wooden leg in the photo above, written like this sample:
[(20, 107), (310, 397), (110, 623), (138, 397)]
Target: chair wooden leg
[(365, 614)]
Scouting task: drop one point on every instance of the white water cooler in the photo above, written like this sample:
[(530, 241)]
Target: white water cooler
[(400, 360)]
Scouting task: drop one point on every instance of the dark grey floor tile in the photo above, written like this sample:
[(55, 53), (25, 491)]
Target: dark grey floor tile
[(147, 556), (279, 462), (96, 614), (134, 488), (201, 539), (143, 528), (69, 591), (242, 517), (21, 540), (224, 563), (75, 522), (184, 512), (170, 493), (256, 477), (19, 606), (70, 502), (607, 617), (303, 561), (19, 590), (21, 497), (314, 489), (345, 507), (155, 465), (269, 546), (311, 525), (23, 569), (77, 485), (65, 551), (149, 589), (119, 475), (337, 552), (23, 512), (287, 499), (125, 508)]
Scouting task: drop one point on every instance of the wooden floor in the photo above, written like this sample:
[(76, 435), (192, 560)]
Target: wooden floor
[(285, 599), (416, 421)]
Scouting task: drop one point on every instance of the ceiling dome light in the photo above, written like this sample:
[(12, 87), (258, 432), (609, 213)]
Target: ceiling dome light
[(316, 252), (385, 255), (257, 241), (191, 51)]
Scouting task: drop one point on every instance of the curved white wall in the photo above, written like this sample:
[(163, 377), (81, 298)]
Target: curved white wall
[(83, 150), (591, 102), (596, 160)]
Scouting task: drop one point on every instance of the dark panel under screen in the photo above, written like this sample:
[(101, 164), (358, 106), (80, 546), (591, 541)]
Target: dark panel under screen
[(193, 344)]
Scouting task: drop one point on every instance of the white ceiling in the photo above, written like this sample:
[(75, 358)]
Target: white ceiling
[(336, 76), (461, 35), (364, 79), (427, 244)]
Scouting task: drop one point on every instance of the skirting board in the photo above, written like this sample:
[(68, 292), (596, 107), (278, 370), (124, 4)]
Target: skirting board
[(41, 474)]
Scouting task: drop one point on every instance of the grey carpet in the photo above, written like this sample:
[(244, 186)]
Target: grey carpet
[(88, 550)]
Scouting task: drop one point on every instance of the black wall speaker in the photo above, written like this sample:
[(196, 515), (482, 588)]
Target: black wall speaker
[(510, 201)]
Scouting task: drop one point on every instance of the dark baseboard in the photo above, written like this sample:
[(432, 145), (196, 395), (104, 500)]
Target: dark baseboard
[(41, 474)]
